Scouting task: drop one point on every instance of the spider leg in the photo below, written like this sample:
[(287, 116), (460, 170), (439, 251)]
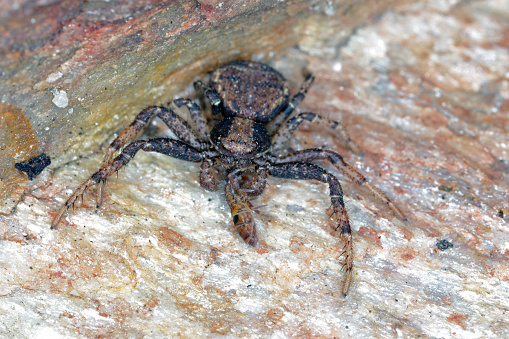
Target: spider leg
[(291, 125), (241, 210), (175, 123), (256, 184), (276, 123), (305, 171), (215, 100), (197, 115), (173, 148), (208, 172), (337, 161)]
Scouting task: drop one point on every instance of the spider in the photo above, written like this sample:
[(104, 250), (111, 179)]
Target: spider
[(251, 109)]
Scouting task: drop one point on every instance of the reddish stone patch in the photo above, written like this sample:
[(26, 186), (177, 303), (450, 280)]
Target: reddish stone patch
[(56, 274), (172, 239), (67, 315), (407, 253), (148, 307), (275, 315), (458, 319), (408, 235), (262, 249), (371, 234)]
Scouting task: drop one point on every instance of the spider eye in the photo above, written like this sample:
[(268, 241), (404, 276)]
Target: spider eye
[(238, 144), (240, 137)]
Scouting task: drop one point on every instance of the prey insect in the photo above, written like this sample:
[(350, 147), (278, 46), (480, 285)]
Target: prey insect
[(251, 110)]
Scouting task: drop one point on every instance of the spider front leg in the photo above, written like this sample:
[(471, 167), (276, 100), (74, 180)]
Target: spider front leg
[(215, 100), (174, 122), (337, 161), (173, 148), (208, 173), (197, 115), (298, 170), (255, 185)]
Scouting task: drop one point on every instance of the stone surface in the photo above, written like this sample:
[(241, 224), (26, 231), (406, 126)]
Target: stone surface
[(424, 91)]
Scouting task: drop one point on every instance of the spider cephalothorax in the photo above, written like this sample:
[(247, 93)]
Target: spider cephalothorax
[(251, 110)]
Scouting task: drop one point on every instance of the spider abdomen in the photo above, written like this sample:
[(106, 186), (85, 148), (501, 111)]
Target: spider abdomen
[(250, 90)]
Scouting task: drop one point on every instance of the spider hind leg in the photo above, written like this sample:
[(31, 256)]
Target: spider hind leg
[(306, 171), (173, 148)]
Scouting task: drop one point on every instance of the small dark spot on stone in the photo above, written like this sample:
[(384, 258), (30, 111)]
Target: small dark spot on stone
[(295, 208), (501, 213), (34, 166), (235, 219), (445, 188), (443, 244)]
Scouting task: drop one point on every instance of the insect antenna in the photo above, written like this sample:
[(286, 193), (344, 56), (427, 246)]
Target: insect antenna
[(257, 210)]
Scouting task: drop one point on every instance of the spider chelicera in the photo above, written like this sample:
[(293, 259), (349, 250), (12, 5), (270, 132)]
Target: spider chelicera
[(251, 109)]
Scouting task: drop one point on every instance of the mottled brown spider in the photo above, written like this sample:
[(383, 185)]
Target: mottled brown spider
[(251, 111)]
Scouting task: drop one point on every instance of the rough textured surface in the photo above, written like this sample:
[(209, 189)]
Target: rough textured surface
[(424, 92), (74, 72)]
